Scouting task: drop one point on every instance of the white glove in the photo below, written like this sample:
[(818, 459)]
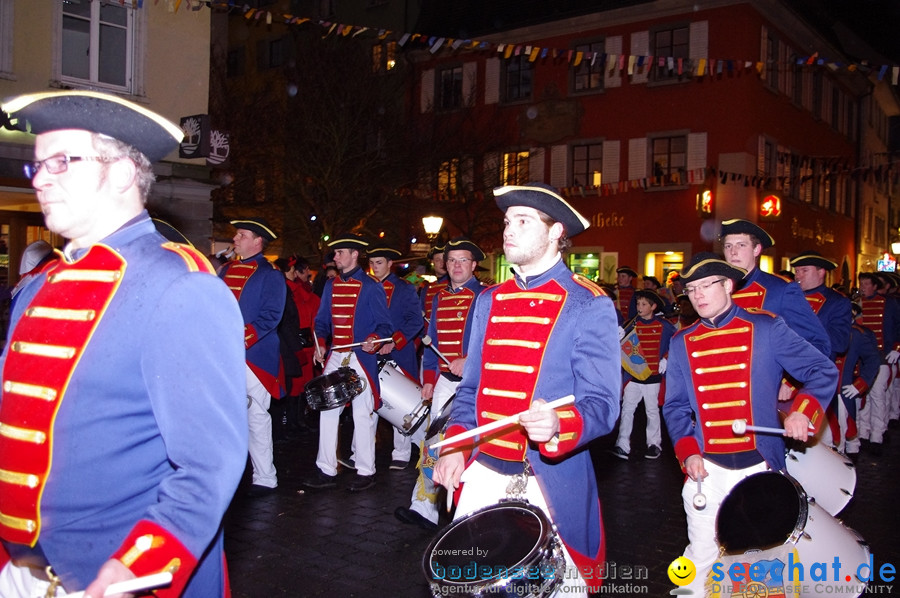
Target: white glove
[(892, 357), (663, 363), (849, 391), (621, 333)]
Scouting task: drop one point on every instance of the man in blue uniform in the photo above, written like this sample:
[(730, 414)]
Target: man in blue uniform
[(260, 290), (542, 335), (123, 404), (430, 289), (353, 310), (832, 308), (406, 318), (725, 367), (859, 369)]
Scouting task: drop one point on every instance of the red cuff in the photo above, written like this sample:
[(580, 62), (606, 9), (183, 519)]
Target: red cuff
[(430, 376), (861, 386), (571, 426), (466, 449), (399, 339), (150, 549), (686, 447), (250, 336), (809, 407)]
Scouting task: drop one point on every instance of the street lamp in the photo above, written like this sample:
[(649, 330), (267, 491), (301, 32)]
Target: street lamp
[(432, 226)]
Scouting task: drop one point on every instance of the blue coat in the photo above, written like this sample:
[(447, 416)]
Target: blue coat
[(581, 357), (833, 311), (738, 371), (407, 321), (431, 363), (150, 435)]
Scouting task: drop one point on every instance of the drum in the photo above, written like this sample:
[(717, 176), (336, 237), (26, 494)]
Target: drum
[(401, 399), (435, 433), (334, 389), (508, 549), (767, 510), (825, 474)]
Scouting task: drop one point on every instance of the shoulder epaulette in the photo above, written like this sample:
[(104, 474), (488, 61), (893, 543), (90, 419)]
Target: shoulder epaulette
[(589, 284), (193, 259), (763, 312)]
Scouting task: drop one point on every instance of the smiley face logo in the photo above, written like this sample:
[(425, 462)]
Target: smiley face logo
[(682, 571)]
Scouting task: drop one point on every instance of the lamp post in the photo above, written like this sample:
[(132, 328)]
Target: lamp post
[(432, 226)]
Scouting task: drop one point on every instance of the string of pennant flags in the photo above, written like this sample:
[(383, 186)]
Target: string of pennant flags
[(628, 63)]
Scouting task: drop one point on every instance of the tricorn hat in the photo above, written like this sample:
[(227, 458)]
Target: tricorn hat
[(738, 226), (384, 251), (706, 264), (545, 198), (256, 225), (110, 115), (650, 296), (626, 270), (463, 244), (813, 258), (348, 241)]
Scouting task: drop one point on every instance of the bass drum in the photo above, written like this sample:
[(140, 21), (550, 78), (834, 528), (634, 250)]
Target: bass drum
[(825, 474), (508, 549), (769, 510), (334, 389)]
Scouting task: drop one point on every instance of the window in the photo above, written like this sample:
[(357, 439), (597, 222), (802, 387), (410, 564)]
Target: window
[(449, 91), (273, 53), (669, 159), (97, 43), (384, 57), (588, 76), (235, 62), (587, 165), (517, 77), (514, 168), (669, 47), (448, 179)]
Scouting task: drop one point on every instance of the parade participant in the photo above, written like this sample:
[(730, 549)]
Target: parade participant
[(654, 333), (687, 315), (859, 369), (832, 308), (625, 292), (726, 367), (407, 321), (543, 334), (261, 294), (123, 404), (881, 315), (449, 327), (651, 283), (353, 310), (430, 289), (742, 243), (298, 280)]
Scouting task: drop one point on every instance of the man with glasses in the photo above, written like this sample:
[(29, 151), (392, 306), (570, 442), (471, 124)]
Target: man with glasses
[(123, 408), (449, 326), (727, 366)]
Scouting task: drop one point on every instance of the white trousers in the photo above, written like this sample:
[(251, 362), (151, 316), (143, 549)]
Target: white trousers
[(894, 393), (703, 549), (631, 397), (261, 458), (872, 420), (425, 493), (365, 422), (18, 582), (484, 487)]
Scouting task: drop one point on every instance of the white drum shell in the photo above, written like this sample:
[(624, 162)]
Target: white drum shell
[(825, 474), (401, 400)]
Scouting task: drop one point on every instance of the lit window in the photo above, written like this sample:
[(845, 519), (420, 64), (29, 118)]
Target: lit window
[(514, 168)]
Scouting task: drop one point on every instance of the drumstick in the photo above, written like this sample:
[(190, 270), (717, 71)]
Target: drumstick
[(138, 584), (511, 419), (376, 340), (426, 340), (740, 426)]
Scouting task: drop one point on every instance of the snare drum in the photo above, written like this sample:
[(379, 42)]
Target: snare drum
[(401, 399), (508, 549), (769, 509), (334, 389), (825, 474)]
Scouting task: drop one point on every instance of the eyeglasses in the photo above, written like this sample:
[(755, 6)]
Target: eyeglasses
[(459, 260), (59, 164), (701, 287)]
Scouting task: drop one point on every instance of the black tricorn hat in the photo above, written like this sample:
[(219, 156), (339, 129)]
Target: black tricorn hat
[(256, 225), (434, 250), (626, 270), (463, 244), (545, 198), (738, 226), (813, 258), (170, 232), (706, 264), (652, 279), (110, 115), (348, 241), (650, 296), (384, 251)]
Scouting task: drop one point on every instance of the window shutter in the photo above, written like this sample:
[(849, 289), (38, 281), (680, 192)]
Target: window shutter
[(536, 164), (491, 170), (699, 42), (637, 158), (696, 157), (761, 156), (640, 46), (559, 165), (470, 72), (612, 77), (611, 159), (427, 92), (492, 81)]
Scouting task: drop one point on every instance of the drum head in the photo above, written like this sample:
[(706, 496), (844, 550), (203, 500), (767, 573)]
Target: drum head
[(486, 545), (761, 511), (440, 420)]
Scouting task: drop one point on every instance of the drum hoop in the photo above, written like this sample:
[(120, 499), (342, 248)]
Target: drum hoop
[(545, 536)]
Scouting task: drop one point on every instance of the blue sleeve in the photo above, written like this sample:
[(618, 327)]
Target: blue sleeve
[(814, 371), (801, 318), (411, 321), (323, 316)]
